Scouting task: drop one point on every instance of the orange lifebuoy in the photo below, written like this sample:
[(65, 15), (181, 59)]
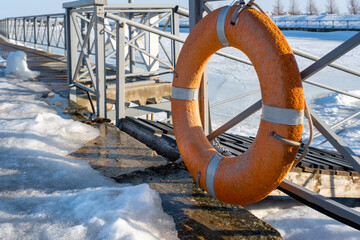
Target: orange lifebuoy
[(256, 173)]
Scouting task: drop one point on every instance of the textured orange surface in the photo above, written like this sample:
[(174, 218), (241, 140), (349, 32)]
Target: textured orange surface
[(253, 175)]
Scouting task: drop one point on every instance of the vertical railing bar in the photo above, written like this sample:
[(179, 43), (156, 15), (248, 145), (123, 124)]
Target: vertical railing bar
[(71, 54), (175, 31), (24, 31), (100, 61), (83, 44), (15, 29), (48, 33), (120, 73), (53, 31)]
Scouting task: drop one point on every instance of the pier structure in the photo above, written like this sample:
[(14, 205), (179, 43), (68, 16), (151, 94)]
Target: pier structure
[(318, 25), (111, 48)]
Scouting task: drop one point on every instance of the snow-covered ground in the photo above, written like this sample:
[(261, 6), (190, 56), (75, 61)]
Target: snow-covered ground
[(44, 194)]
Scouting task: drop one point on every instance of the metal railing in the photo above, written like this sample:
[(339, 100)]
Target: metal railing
[(318, 202), (38, 30), (107, 44), (349, 25)]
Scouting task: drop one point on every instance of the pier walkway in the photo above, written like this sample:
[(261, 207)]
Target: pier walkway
[(117, 155)]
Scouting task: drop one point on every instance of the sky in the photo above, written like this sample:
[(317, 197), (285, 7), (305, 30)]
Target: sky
[(15, 8)]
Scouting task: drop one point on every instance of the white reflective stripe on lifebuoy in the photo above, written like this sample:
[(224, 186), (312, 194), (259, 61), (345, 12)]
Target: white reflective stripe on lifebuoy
[(185, 93), (220, 26), (211, 171), (283, 116)]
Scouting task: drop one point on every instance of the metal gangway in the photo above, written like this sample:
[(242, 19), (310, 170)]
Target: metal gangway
[(101, 41)]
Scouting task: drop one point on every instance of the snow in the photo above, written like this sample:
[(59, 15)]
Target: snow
[(2, 62), (295, 221), (16, 66), (45, 194)]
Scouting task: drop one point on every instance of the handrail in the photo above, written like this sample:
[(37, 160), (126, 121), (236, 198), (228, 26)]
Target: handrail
[(185, 12), (312, 24), (36, 16)]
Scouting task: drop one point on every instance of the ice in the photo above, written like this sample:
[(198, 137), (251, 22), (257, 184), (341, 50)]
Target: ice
[(44, 194), (2, 62), (16, 65)]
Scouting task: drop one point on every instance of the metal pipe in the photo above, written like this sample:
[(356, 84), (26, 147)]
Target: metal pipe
[(339, 123), (152, 56), (334, 65), (332, 89), (331, 56), (85, 88), (322, 204), (336, 141), (39, 16), (181, 11), (236, 120), (234, 98)]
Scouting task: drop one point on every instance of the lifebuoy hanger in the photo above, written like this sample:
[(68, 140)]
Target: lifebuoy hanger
[(253, 175)]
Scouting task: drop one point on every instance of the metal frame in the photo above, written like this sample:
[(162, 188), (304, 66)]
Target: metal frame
[(320, 203), (39, 30), (118, 37), (97, 31), (344, 25)]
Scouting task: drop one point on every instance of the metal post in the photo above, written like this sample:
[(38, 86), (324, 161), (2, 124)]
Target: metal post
[(15, 30), (35, 32), (24, 31), (196, 13), (100, 60), (131, 49), (65, 35), (48, 33), (7, 28), (83, 33), (175, 31), (71, 45), (151, 44), (88, 15), (120, 73)]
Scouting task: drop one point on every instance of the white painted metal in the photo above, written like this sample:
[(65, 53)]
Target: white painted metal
[(84, 3), (100, 60), (120, 73)]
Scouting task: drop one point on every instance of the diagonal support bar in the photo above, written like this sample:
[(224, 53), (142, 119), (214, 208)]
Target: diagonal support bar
[(322, 204), (336, 141), (242, 116), (331, 57)]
